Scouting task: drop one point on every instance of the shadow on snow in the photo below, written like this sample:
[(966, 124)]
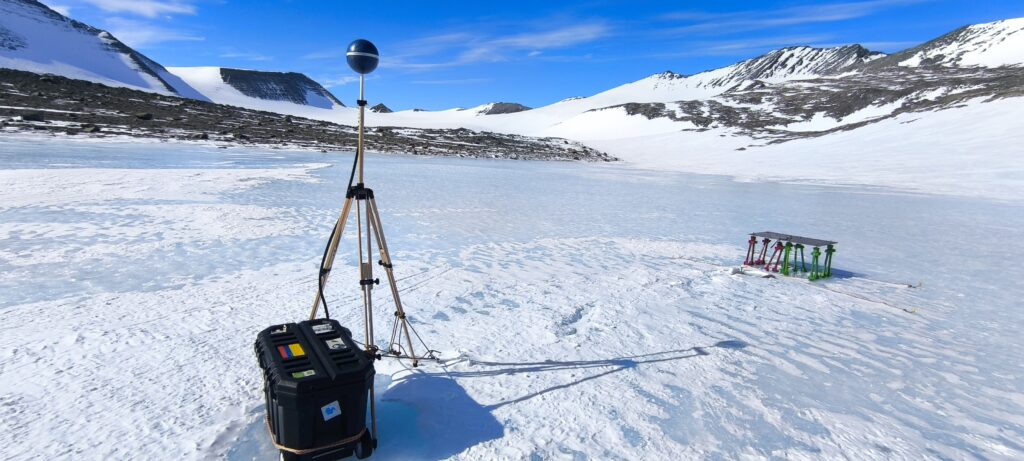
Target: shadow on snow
[(428, 415), (616, 364)]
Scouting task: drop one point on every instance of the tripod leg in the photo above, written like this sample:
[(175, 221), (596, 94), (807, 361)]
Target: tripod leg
[(332, 251), (365, 277), (385, 259), (368, 284)]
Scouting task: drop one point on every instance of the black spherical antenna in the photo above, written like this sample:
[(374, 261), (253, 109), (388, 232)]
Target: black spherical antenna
[(362, 56)]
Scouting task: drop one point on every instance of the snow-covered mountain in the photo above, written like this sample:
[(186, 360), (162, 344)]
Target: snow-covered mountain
[(287, 92), (793, 63), (788, 94), (575, 117), (784, 94), (989, 45), (37, 39)]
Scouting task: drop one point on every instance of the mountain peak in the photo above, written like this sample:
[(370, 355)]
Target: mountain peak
[(993, 44), (790, 63), (668, 75), (799, 62)]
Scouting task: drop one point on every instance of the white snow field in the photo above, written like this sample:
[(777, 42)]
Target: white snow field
[(972, 150), (584, 311)]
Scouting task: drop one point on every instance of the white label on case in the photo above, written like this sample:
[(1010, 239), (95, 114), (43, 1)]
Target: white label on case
[(331, 410), (322, 328), (335, 344)]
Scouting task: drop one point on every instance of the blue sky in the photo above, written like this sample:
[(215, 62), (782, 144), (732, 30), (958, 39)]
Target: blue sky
[(436, 55)]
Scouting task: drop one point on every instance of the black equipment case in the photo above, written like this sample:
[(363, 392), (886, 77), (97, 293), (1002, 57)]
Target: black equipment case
[(316, 381)]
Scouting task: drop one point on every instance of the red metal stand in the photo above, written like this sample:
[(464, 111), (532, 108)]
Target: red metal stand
[(751, 250), (776, 257), (764, 251)]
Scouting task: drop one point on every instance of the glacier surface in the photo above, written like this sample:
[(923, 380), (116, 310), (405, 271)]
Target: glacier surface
[(583, 311)]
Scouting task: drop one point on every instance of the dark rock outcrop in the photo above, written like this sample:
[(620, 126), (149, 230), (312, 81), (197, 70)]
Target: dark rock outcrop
[(503, 108), (279, 86)]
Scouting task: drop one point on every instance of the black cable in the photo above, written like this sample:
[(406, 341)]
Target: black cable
[(334, 230)]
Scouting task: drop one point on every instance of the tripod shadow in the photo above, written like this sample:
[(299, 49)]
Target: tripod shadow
[(615, 365), (428, 415)]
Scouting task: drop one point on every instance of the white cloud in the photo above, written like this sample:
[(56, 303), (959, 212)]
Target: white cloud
[(62, 9), (140, 33), (744, 21), (558, 38), (147, 8), (340, 81), (246, 56), (469, 48), (324, 54), (457, 81)]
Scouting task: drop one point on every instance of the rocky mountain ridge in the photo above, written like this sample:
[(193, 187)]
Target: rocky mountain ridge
[(800, 92), (56, 106)]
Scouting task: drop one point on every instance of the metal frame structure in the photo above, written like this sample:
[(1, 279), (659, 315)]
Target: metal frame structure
[(787, 246)]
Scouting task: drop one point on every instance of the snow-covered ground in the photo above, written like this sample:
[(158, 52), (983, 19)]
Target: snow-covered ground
[(586, 311), (972, 150)]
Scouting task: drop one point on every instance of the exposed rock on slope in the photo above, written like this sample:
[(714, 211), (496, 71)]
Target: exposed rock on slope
[(65, 107), (501, 108), (815, 107), (990, 45), (37, 39), (279, 86), (790, 63), (802, 92)]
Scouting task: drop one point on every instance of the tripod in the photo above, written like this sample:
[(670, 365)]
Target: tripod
[(366, 212)]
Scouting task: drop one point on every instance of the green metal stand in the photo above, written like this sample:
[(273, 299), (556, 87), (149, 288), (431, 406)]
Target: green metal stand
[(785, 259), (815, 272), (828, 260), (803, 263)]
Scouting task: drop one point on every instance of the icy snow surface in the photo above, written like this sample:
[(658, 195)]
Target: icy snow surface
[(585, 311)]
